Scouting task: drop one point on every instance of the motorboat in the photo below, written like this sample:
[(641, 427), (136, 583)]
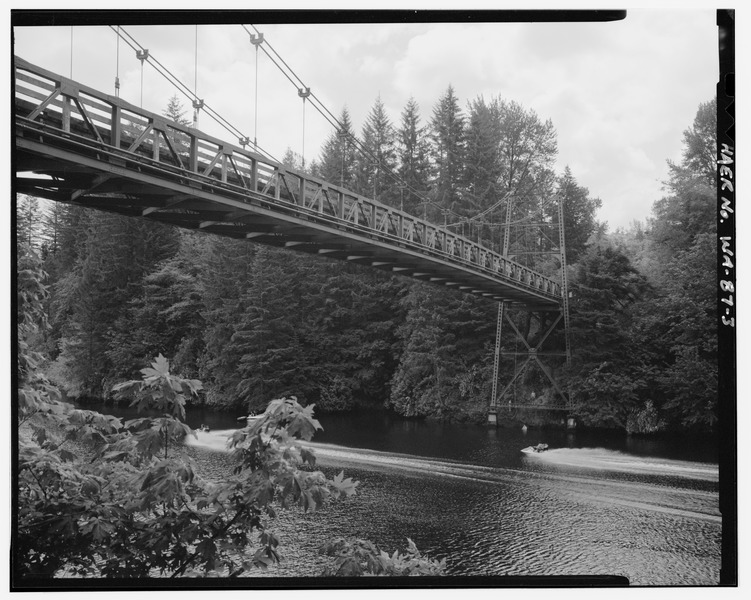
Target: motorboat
[(250, 419), (539, 448)]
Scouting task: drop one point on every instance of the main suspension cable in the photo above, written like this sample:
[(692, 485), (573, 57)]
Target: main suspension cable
[(167, 74)]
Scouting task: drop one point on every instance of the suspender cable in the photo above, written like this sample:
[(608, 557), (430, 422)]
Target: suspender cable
[(303, 93), (197, 102), (142, 55), (117, 64), (344, 154), (195, 64), (256, 40)]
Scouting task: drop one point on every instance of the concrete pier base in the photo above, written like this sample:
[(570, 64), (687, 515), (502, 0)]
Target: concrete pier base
[(571, 423), (493, 417)]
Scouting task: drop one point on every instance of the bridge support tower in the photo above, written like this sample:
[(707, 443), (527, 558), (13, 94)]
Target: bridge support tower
[(529, 354)]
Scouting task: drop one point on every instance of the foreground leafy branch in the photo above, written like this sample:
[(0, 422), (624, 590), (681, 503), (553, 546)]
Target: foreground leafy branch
[(133, 508), (361, 557)]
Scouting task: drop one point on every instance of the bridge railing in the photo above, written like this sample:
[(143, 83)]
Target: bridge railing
[(122, 129)]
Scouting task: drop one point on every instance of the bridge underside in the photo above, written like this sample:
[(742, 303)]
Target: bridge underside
[(111, 184)]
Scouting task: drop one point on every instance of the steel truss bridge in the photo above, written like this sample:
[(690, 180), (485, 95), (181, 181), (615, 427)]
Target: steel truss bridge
[(78, 145)]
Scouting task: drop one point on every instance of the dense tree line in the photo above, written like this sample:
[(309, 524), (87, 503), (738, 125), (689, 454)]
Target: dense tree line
[(255, 323)]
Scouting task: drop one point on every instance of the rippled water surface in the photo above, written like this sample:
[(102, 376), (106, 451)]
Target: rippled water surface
[(592, 504)]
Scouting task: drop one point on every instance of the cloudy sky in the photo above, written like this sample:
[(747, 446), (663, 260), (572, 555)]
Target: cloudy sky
[(619, 94)]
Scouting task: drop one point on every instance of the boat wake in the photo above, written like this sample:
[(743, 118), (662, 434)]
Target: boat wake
[(610, 460), (596, 459), (561, 475), (215, 440)]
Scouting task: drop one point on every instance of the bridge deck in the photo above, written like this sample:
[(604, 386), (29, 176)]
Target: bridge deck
[(78, 145)]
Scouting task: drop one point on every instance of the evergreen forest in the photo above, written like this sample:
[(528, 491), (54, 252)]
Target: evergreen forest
[(253, 323)]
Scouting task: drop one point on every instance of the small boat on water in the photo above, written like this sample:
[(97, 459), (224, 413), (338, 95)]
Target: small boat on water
[(250, 418), (535, 449)]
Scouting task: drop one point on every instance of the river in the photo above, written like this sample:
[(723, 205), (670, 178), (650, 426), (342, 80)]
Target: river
[(594, 504)]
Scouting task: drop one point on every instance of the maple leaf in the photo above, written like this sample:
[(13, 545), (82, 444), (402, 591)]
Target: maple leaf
[(344, 486)]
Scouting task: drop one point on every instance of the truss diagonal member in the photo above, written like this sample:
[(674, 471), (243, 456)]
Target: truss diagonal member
[(171, 146), (213, 162), (333, 206), (518, 333), (85, 116), (233, 163), (47, 101), (513, 379), (549, 331), (544, 369), (270, 182), (369, 216), (144, 134), (283, 178), (315, 200)]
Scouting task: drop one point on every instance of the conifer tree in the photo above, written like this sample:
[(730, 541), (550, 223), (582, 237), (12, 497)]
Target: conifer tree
[(447, 150), (337, 161), (413, 161), (482, 173), (176, 111), (377, 163), (579, 211), (28, 220)]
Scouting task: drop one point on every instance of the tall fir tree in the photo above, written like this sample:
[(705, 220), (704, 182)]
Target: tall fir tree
[(376, 165), (28, 221), (447, 150), (579, 212), (528, 148), (176, 111), (413, 159), (337, 161), (483, 170)]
